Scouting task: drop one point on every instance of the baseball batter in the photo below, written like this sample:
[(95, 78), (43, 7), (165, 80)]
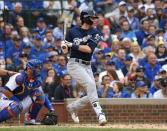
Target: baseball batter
[(82, 41)]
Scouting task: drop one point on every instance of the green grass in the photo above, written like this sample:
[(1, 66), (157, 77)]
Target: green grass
[(48, 128)]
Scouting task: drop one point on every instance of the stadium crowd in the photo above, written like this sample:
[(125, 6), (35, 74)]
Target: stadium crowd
[(131, 58)]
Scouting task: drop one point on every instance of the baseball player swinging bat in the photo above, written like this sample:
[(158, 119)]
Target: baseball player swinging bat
[(82, 41)]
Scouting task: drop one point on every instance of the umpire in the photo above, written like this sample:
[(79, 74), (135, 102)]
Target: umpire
[(81, 42)]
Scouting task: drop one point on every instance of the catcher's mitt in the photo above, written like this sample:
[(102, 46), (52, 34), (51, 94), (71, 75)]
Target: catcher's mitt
[(49, 119)]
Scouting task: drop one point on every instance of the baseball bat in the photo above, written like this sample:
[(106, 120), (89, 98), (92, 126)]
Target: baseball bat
[(63, 45)]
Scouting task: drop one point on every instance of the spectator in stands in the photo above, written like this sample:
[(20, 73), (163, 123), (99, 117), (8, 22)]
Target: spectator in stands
[(152, 29), (111, 72), (2, 56), (126, 44), (97, 59), (37, 50), (140, 76), (23, 59), (1, 27), (26, 50), (150, 15), (72, 5), (106, 5), (114, 90), (13, 54), (107, 35), (25, 35), (50, 83), (53, 57), (51, 6), (64, 90), (148, 50), (150, 41), (105, 90), (143, 31), (141, 90), (131, 76), (115, 46), (18, 11), (117, 13), (62, 66), (163, 20), (41, 26), (58, 31), (165, 34), (161, 53), (102, 20), (149, 5), (162, 73), (57, 45), (35, 6), (126, 32), (133, 21), (160, 35), (119, 60), (136, 51), (19, 23), (119, 91), (96, 76), (155, 85), (152, 67), (141, 12), (7, 31), (128, 61), (162, 93), (49, 39), (47, 65)]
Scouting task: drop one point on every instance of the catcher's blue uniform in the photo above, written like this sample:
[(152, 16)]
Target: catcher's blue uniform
[(22, 93)]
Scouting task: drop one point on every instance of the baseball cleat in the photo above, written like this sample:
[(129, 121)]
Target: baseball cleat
[(29, 121), (32, 122), (102, 120), (75, 117)]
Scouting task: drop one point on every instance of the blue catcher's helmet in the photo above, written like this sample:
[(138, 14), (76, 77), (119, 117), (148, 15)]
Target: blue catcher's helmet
[(35, 65)]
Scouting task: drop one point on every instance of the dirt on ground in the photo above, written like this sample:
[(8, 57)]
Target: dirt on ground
[(121, 126)]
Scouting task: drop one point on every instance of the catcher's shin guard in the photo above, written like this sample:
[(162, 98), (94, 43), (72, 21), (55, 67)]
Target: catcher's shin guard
[(38, 103)]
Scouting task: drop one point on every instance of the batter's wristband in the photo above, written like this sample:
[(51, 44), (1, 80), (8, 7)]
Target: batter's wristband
[(75, 47)]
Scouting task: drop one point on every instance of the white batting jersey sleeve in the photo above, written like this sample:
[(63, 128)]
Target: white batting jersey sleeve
[(11, 84)]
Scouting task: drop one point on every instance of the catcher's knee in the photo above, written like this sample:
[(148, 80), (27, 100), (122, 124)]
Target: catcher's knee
[(39, 97)]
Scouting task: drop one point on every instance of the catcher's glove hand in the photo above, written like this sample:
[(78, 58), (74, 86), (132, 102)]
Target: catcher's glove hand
[(49, 119)]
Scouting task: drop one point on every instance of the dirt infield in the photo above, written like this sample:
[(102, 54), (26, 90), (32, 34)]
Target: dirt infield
[(118, 126)]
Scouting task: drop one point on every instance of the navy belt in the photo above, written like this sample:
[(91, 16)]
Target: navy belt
[(82, 61)]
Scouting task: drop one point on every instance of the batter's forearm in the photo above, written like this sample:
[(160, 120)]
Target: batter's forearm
[(84, 48)]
